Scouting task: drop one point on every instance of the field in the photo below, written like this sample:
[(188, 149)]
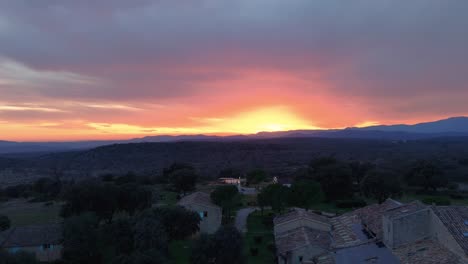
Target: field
[(23, 213)]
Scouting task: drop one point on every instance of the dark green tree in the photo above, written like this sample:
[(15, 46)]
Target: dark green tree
[(359, 170), (81, 239), (47, 188), (274, 195), (133, 197), (427, 175), (380, 185), (227, 197), (182, 177), (334, 176), (149, 233), (178, 222), (305, 194), (256, 176), (224, 247), (5, 223), (91, 196)]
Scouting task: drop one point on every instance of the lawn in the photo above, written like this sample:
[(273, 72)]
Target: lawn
[(23, 213), (420, 197), (257, 228), (180, 251)]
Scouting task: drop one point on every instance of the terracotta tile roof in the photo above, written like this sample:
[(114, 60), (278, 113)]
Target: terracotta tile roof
[(343, 231), (425, 252), (298, 213), (29, 236), (200, 198), (405, 209), (301, 237), (371, 215), (455, 219)]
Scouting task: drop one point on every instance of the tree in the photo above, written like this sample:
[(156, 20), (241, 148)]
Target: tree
[(119, 236), (80, 243), (223, 247), (256, 176), (4, 223), (305, 194), (182, 177), (47, 188), (380, 185), (204, 250), (359, 170), (133, 197), (334, 177), (426, 174), (91, 196), (178, 222), (274, 195), (149, 233), (226, 196)]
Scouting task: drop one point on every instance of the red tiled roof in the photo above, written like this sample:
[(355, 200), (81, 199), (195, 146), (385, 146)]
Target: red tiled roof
[(455, 220)]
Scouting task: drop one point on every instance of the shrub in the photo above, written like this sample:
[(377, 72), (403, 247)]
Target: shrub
[(258, 239), (267, 221), (437, 200), (352, 203), (254, 252), (272, 248), (4, 223)]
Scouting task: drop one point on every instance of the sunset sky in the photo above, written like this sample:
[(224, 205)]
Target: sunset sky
[(79, 70)]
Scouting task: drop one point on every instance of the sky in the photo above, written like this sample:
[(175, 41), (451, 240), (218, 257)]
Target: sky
[(114, 69)]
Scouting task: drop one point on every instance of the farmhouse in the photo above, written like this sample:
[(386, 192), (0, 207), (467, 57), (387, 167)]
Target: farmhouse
[(44, 241), (389, 233), (210, 213)]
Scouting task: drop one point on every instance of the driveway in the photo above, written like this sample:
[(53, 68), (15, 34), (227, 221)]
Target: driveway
[(241, 218)]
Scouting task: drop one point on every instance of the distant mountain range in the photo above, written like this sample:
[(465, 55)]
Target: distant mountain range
[(451, 127)]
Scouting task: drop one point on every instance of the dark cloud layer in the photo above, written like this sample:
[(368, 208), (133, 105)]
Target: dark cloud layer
[(393, 58)]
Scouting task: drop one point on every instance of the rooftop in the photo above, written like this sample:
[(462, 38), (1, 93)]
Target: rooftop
[(425, 252), (31, 236), (405, 209), (301, 237), (371, 215), (366, 253), (298, 213), (200, 198), (454, 218)]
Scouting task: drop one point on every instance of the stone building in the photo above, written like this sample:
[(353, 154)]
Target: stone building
[(210, 213)]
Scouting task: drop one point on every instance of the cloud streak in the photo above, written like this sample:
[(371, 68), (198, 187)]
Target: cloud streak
[(185, 65)]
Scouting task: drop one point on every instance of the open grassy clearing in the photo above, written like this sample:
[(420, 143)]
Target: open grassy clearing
[(23, 213)]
